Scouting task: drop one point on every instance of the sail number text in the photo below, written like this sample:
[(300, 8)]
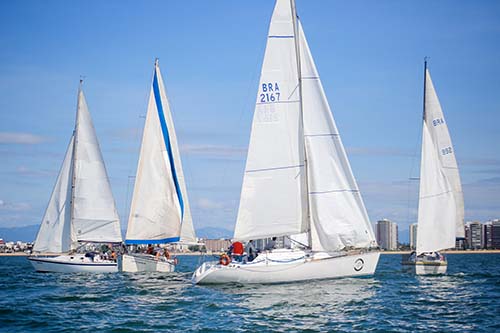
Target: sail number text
[(270, 92), (438, 121), (446, 151)]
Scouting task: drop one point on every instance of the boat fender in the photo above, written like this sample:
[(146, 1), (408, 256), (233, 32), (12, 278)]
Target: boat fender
[(176, 261), (224, 260)]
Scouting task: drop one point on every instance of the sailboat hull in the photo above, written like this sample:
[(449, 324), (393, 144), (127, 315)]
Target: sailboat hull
[(72, 264), (424, 267), (269, 268), (146, 263)]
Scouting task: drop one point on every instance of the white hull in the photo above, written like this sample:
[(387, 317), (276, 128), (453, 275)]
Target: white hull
[(146, 263), (288, 266), (72, 264), (425, 267)]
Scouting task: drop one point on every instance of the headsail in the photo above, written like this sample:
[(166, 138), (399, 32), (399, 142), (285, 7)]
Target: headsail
[(338, 215), (273, 195), (441, 205), (95, 218), (159, 204), (55, 233)]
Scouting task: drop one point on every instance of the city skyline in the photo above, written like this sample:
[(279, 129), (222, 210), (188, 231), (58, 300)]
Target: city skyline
[(372, 74)]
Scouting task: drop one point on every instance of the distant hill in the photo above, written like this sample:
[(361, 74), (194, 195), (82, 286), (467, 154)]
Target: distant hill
[(213, 233), (24, 234)]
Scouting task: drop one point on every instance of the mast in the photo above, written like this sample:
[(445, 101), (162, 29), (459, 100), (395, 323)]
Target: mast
[(301, 111), (425, 77), (73, 157)]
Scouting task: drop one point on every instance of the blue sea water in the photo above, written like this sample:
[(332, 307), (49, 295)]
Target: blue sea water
[(466, 299)]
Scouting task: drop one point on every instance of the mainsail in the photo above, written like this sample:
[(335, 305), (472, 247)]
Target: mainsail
[(160, 210), (55, 233), (297, 177), (81, 207), (441, 204)]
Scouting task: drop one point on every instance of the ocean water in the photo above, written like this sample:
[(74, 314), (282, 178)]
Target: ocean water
[(466, 299)]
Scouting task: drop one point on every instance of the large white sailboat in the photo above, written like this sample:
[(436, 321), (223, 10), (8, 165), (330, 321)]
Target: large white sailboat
[(441, 202), (81, 208), (297, 178), (160, 210)]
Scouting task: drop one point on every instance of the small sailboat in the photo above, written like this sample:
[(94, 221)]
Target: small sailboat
[(298, 181), (81, 208), (159, 212), (441, 202)]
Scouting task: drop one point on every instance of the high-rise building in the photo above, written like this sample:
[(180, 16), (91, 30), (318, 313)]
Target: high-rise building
[(495, 234), (474, 235), (387, 234), (487, 233), (413, 236)]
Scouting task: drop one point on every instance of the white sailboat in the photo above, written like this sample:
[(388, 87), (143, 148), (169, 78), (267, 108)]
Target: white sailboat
[(160, 211), (81, 208), (297, 178), (441, 202)]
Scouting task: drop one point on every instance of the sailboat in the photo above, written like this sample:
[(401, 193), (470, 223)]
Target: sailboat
[(297, 179), (81, 208), (160, 211), (441, 203)]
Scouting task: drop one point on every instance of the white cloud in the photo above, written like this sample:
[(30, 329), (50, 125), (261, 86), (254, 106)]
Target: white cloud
[(21, 138), (14, 206), (207, 204)]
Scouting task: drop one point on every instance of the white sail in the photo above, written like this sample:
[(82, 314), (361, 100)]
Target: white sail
[(55, 233), (338, 215), (159, 203), (441, 206), (273, 196), (94, 217)]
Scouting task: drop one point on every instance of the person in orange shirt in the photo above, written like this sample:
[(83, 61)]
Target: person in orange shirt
[(238, 250)]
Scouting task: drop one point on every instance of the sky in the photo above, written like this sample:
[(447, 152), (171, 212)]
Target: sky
[(369, 55)]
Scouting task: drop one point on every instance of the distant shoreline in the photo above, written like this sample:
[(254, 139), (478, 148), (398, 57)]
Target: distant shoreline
[(22, 254)]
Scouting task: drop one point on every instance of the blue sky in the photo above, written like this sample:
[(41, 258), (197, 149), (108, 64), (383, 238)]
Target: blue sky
[(369, 55)]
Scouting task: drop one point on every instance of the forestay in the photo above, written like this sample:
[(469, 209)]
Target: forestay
[(55, 233), (159, 202), (441, 206), (273, 196), (338, 215)]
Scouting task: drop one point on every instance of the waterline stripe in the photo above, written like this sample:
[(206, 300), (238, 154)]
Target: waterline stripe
[(164, 129)]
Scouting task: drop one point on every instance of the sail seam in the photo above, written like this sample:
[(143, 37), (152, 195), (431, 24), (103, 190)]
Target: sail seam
[(328, 134), (334, 191), (281, 36), (310, 78), (276, 168), (166, 137), (435, 195)]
